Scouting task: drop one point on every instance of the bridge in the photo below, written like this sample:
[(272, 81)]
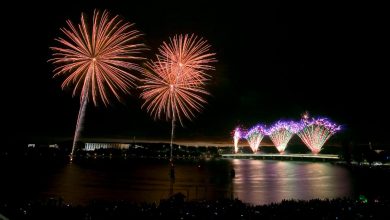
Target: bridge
[(297, 157)]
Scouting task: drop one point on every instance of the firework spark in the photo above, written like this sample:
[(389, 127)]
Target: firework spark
[(254, 136), (97, 59), (281, 133), (315, 132), (174, 83)]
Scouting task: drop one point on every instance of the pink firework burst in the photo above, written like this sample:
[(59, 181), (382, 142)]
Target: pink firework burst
[(171, 93), (98, 57), (174, 84)]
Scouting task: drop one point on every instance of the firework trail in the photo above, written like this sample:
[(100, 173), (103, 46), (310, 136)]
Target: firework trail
[(254, 136), (173, 84), (315, 132), (80, 119), (281, 133), (97, 59)]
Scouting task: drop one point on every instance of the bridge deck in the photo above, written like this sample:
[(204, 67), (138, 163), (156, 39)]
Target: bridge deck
[(310, 157)]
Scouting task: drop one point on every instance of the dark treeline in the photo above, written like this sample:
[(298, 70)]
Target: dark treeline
[(177, 208)]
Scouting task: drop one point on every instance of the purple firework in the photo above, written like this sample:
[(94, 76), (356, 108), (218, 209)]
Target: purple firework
[(315, 132), (281, 133), (255, 135)]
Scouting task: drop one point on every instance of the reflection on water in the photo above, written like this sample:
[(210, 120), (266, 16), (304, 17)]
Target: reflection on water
[(262, 182), (255, 181)]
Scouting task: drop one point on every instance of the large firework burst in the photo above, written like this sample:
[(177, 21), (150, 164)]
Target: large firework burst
[(174, 83), (97, 59)]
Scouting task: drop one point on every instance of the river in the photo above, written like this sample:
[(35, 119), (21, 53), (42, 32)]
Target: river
[(139, 180)]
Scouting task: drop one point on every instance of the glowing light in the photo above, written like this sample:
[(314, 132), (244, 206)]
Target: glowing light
[(97, 59), (281, 133), (315, 132), (254, 136)]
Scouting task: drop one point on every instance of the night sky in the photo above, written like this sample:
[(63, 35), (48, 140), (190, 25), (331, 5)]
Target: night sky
[(275, 60)]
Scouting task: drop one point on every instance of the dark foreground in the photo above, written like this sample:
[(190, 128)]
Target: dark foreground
[(177, 208)]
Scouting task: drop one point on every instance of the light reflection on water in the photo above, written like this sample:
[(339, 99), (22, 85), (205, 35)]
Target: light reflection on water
[(255, 181), (262, 182)]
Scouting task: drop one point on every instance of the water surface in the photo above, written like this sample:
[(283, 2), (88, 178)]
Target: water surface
[(255, 181)]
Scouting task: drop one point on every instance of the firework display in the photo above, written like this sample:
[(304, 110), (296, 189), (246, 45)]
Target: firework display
[(254, 136), (98, 59), (315, 132), (173, 84), (281, 133)]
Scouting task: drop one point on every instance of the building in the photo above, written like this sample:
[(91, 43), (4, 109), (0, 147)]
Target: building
[(96, 146), (43, 146)]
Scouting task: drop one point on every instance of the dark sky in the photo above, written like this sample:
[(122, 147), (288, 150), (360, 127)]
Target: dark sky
[(275, 60)]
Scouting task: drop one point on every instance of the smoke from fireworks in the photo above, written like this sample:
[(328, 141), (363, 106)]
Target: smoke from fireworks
[(174, 83), (281, 133), (315, 132), (254, 136), (97, 59)]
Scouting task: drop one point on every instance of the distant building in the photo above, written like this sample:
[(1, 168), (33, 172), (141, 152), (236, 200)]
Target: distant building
[(96, 146), (43, 146), (53, 146)]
